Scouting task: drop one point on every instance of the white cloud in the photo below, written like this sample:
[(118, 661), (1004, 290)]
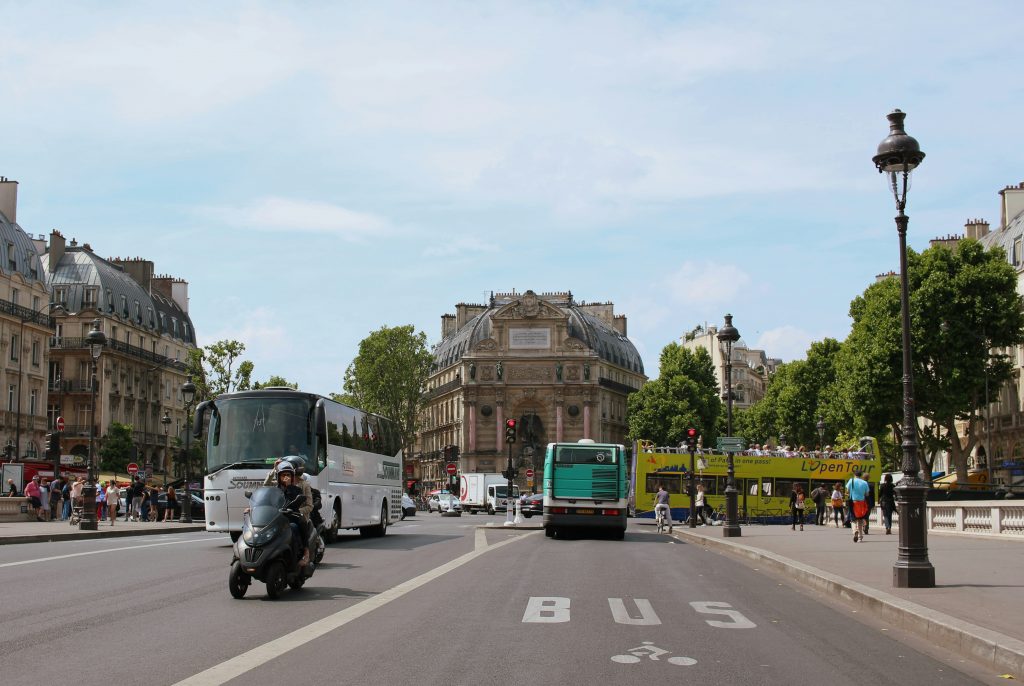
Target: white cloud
[(276, 214), (700, 285), (466, 246), (786, 342)]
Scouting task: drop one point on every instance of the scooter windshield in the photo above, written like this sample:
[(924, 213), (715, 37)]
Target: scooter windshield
[(265, 504)]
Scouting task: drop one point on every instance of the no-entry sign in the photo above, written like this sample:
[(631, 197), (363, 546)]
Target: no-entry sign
[(529, 473), (59, 424), (452, 468), (133, 468)]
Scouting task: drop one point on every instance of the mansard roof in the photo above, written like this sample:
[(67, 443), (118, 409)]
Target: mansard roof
[(18, 253)]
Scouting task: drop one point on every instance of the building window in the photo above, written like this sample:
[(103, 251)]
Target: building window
[(60, 296), (12, 262), (32, 399), (14, 347), (35, 353), (110, 300), (1016, 257), (10, 398), (14, 295), (124, 306), (90, 297), (52, 412)]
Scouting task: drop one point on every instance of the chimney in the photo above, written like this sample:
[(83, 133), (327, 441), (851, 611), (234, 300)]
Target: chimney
[(976, 228), (447, 325), (9, 199), (139, 269), (56, 250), (1013, 203)]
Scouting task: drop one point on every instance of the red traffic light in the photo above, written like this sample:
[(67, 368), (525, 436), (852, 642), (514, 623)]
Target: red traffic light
[(691, 433), (510, 423)]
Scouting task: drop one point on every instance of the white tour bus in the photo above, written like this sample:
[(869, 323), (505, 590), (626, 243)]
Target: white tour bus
[(352, 457)]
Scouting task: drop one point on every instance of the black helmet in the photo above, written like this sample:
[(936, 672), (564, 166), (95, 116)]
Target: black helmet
[(297, 462)]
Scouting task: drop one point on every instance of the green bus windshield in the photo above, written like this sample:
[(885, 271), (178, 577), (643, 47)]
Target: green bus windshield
[(583, 454)]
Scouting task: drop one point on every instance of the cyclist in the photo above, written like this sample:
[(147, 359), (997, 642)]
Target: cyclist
[(661, 506)]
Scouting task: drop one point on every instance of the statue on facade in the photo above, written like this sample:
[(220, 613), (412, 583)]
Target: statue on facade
[(499, 370), (558, 371), (586, 372), (472, 370)]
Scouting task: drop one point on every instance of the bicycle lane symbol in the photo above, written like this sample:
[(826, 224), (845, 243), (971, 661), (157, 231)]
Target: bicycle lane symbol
[(653, 652)]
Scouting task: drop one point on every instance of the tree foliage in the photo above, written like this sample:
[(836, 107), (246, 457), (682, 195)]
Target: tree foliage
[(388, 376), (273, 381), (117, 449), (964, 307), (212, 369), (684, 395)]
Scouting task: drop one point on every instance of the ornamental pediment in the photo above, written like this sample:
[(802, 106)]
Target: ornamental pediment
[(529, 307)]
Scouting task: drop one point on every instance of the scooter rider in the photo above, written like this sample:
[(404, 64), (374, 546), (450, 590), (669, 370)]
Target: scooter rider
[(284, 472)]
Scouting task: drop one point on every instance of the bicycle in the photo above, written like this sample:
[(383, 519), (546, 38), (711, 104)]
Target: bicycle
[(660, 519)]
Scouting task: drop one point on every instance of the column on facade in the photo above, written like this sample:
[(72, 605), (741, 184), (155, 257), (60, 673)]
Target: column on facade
[(499, 426), (559, 404), (586, 419), (471, 417)]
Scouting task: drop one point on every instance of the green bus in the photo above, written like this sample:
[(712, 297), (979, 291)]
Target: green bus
[(585, 487)]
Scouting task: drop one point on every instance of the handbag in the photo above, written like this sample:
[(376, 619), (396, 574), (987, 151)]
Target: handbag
[(799, 502), (837, 502)]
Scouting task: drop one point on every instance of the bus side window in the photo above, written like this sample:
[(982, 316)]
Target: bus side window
[(766, 488)]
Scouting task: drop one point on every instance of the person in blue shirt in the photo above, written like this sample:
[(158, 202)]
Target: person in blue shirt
[(857, 490)]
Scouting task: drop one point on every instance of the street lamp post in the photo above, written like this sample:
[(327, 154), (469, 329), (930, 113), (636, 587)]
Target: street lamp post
[(166, 421), (96, 340), (898, 155), (821, 433), (188, 393), (729, 335)]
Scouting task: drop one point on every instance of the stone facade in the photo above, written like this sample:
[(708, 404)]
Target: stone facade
[(750, 368), (562, 368)]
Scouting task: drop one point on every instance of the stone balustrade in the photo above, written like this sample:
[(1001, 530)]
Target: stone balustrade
[(988, 517), (16, 510)]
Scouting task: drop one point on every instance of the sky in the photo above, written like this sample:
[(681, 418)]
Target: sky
[(318, 170)]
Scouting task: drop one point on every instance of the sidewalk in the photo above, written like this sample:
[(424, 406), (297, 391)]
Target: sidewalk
[(976, 608), (41, 532)]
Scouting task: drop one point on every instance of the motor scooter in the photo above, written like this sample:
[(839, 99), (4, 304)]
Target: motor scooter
[(264, 550)]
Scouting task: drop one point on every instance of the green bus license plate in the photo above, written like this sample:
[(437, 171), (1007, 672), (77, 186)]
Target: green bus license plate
[(584, 512)]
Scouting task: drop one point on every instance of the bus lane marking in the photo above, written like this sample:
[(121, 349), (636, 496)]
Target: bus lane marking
[(712, 608), (98, 552), (557, 610), (260, 655), (648, 617)]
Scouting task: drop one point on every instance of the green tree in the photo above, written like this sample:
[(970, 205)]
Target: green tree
[(964, 308), (212, 369), (684, 395), (117, 449), (275, 380), (388, 375)]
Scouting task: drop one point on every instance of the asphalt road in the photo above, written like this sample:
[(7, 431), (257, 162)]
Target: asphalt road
[(437, 601)]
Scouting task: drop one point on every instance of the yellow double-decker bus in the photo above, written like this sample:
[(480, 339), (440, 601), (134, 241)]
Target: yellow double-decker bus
[(764, 479)]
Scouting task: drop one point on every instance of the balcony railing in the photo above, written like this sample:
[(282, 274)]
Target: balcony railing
[(81, 343), (27, 314)]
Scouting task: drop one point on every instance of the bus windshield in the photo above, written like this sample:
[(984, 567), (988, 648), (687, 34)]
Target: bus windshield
[(253, 432), (577, 454)]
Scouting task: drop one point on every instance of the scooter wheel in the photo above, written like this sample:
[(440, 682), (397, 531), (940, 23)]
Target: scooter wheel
[(276, 580), (296, 583), (238, 581)]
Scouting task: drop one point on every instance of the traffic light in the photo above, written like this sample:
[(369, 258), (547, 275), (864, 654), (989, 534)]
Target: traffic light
[(510, 473), (453, 484), (53, 445), (691, 439), (510, 431)]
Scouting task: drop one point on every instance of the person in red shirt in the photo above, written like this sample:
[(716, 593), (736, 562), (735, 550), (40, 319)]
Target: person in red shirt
[(34, 493)]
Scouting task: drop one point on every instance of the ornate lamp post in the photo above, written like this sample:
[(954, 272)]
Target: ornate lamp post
[(821, 433), (188, 394), (96, 340), (729, 335), (898, 155), (166, 421)]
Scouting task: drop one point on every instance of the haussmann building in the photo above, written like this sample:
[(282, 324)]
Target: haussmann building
[(563, 369)]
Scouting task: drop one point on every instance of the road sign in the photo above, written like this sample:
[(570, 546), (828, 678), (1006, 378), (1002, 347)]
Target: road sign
[(529, 473), (133, 468), (59, 423), (731, 444), (452, 468)]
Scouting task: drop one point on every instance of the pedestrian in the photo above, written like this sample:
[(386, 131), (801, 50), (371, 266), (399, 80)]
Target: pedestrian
[(65, 492), (76, 492), (870, 498), (137, 491), (857, 489), (32, 492), (700, 505), (101, 502), (837, 503), (44, 499), (12, 490), (887, 499), (797, 505), (172, 504), (154, 504), (820, 497), (111, 498), (55, 496)]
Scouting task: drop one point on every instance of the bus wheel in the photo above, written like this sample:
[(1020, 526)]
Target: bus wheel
[(331, 532), (549, 532), (235, 535)]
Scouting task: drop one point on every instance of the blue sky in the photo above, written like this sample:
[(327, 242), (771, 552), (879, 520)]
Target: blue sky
[(318, 170)]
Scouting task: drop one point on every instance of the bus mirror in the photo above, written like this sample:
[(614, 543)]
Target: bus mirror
[(197, 420), (248, 494)]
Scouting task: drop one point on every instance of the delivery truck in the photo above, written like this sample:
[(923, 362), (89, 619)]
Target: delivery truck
[(485, 492)]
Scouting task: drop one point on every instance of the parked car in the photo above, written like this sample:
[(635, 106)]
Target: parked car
[(443, 503), (408, 506), (532, 505), (198, 506)]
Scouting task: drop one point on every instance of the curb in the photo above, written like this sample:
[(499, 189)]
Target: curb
[(989, 647), (76, 534)]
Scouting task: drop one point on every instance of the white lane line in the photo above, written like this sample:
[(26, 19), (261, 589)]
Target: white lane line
[(240, 664), (98, 552)]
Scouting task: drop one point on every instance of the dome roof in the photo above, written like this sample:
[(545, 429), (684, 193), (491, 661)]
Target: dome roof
[(593, 331)]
